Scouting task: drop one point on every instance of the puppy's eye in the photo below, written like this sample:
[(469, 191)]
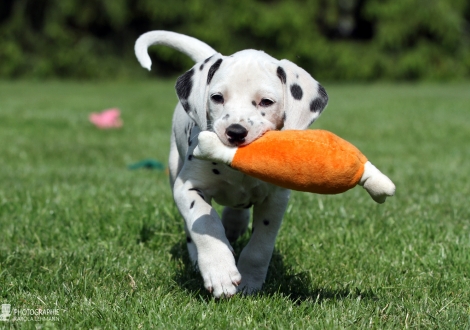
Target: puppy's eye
[(266, 102), (217, 98)]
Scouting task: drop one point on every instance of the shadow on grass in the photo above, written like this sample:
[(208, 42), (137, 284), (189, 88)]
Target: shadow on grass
[(147, 232), (281, 280)]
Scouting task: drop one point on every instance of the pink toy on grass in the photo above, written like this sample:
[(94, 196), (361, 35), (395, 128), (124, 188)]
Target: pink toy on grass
[(109, 118)]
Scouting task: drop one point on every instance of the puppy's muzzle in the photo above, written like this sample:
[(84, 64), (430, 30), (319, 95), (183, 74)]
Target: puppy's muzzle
[(236, 134)]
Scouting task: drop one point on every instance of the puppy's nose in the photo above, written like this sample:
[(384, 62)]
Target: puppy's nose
[(236, 133)]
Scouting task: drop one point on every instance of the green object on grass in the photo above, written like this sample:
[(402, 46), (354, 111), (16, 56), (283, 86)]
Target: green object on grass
[(150, 164)]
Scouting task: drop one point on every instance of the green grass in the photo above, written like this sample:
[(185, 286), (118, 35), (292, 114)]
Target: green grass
[(105, 245)]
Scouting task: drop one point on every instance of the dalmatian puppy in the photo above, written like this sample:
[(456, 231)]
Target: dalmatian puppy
[(239, 97)]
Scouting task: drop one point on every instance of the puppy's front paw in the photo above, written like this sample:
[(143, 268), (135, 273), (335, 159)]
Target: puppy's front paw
[(220, 275)]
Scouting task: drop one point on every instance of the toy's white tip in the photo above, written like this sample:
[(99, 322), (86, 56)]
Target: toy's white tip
[(209, 147), (377, 184)]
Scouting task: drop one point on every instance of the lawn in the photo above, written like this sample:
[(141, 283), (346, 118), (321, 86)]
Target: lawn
[(104, 245)]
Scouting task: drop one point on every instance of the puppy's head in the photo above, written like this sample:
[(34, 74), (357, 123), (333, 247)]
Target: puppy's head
[(242, 96)]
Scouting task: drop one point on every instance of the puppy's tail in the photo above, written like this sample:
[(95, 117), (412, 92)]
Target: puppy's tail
[(190, 46)]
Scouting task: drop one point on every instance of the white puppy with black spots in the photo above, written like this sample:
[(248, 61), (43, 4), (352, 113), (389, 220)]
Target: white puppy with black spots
[(239, 97)]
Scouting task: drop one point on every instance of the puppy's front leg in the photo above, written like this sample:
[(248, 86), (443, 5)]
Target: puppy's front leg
[(254, 259), (214, 253)]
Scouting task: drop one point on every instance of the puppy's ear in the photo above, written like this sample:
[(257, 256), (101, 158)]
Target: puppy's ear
[(192, 88), (304, 97)]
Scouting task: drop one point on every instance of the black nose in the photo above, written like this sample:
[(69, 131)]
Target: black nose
[(236, 133)]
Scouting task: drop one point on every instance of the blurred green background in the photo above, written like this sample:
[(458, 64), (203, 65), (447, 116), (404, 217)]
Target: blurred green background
[(106, 245), (335, 40)]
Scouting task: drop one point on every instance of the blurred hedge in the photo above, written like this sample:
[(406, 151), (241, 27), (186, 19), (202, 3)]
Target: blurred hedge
[(335, 40)]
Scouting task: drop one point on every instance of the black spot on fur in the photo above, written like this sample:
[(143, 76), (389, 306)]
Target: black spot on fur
[(184, 85), (201, 67), (250, 122), (199, 192), (281, 74), (208, 59), (284, 116), (266, 222), (254, 103), (213, 69), (190, 157), (296, 91), (226, 116), (192, 204), (188, 239), (215, 171), (320, 102), (185, 105), (322, 92), (263, 114), (189, 136)]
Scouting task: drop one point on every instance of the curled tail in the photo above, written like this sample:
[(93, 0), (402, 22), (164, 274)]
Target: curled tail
[(190, 46)]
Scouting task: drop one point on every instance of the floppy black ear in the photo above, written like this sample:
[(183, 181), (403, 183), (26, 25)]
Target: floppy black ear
[(304, 97), (192, 88)]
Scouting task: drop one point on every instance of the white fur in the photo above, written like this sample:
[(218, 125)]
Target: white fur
[(245, 80), (190, 46)]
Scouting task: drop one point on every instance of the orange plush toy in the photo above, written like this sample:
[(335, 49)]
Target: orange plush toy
[(314, 161)]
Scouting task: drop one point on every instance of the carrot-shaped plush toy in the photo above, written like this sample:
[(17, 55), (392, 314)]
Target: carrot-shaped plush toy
[(314, 161)]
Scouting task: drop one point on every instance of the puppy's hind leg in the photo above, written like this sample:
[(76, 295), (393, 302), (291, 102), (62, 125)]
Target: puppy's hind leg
[(254, 260), (235, 222)]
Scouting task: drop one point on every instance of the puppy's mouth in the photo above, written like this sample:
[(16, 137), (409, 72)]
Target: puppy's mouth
[(233, 143), (230, 142), (236, 135), (236, 143), (239, 142)]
